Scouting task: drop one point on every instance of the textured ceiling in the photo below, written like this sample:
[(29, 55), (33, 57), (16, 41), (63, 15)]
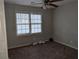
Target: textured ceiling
[(28, 2)]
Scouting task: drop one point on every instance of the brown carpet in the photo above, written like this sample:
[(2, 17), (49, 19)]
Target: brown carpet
[(50, 50)]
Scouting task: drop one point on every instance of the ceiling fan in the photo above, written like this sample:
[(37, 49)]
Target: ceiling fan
[(46, 3)]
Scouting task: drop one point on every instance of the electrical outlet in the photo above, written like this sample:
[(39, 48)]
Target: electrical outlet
[(70, 41)]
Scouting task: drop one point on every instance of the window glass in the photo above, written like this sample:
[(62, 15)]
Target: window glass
[(36, 28), (35, 18)]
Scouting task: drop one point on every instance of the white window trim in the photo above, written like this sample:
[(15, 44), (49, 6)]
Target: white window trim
[(28, 34)]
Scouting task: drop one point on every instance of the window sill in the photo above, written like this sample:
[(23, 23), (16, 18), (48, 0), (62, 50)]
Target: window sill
[(30, 34)]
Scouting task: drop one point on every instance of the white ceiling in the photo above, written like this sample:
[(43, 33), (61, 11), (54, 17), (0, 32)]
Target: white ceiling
[(28, 2)]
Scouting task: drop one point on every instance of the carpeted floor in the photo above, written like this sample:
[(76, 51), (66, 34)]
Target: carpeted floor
[(50, 50)]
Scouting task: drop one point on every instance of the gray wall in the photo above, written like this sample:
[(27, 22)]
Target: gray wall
[(65, 24), (3, 40), (16, 41)]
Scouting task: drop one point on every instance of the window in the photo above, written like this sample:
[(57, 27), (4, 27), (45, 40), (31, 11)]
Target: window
[(35, 23), (28, 23), (22, 21)]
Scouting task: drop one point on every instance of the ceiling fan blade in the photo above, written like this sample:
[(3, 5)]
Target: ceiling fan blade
[(36, 3), (54, 0), (53, 5)]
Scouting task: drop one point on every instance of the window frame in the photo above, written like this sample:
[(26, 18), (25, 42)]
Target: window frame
[(36, 23), (30, 30)]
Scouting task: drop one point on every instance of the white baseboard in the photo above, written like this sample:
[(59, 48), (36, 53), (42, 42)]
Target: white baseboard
[(67, 45), (34, 43), (19, 46), (40, 43)]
